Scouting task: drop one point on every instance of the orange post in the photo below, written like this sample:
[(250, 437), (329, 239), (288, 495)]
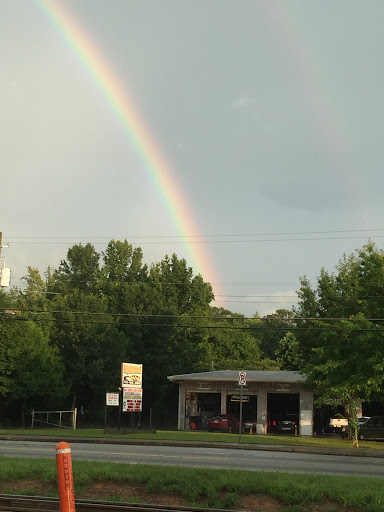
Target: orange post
[(65, 477)]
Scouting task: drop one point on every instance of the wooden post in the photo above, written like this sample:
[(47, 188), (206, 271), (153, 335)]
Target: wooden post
[(65, 477)]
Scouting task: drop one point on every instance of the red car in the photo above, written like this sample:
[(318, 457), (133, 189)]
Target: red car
[(223, 423)]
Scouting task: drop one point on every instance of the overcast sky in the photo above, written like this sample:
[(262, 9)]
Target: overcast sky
[(268, 114)]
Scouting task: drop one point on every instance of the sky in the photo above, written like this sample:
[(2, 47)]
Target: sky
[(243, 135)]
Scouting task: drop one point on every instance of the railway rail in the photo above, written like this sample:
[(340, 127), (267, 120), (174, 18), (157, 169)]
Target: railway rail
[(10, 503)]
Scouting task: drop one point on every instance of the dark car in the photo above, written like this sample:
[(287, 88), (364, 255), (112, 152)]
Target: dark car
[(360, 421), (373, 428), (223, 423), (288, 424)]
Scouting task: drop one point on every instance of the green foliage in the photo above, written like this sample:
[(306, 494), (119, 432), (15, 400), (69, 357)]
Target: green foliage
[(343, 359), (30, 367), (79, 322), (276, 326), (288, 354)]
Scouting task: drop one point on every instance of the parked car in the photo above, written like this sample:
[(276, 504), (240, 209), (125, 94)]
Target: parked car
[(373, 428), (287, 426), (336, 425), (360, 421), (223, 423)]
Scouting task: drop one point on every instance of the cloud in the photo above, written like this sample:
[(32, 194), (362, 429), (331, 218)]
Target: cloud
[(243, 101)]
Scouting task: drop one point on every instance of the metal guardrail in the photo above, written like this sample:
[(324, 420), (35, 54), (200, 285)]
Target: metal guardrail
[(10, 503)]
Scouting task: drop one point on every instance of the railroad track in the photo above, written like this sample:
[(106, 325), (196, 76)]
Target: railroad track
[(10, 503)]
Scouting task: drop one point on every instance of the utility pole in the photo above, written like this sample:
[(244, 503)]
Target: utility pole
[(5, 273)]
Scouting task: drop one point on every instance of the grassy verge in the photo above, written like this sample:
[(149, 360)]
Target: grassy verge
[(202, 437), (210, 487)]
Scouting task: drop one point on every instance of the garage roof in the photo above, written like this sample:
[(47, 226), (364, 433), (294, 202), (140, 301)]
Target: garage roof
[(233, 375)]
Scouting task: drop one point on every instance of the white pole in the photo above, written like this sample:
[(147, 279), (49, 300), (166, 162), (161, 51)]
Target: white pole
[(74, 420)]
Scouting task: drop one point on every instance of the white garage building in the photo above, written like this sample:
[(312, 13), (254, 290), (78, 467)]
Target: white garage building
[(268, 398)]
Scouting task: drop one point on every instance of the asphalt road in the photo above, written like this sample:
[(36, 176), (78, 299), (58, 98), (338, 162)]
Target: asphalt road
[(204, 457)]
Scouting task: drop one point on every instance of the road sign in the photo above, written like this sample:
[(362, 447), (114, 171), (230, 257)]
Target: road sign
[(242, 378)]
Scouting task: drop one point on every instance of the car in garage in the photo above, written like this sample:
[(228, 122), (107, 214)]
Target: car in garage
[(288, 424), (223, 423)]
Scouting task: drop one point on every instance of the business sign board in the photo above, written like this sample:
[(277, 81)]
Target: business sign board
[(237, 398), (112, 399), (131, 375), (132, 394), (132, 400)]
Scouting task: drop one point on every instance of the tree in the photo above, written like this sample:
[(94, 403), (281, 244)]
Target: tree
[(31, 371), (89, 343), (80, 270), (343, 357), (287, 353), (229, 347), (276, 327)]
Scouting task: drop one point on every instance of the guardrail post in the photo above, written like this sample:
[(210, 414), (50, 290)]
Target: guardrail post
[(65, 477)]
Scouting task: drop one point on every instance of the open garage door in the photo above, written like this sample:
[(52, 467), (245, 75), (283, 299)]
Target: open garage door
[(283, 412), (249, 407), (200, 407)]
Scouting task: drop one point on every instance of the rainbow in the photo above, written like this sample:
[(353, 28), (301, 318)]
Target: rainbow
[(288, 24), (119, 100)]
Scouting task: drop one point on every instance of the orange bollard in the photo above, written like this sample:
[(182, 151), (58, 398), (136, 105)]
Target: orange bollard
[(65, 477)]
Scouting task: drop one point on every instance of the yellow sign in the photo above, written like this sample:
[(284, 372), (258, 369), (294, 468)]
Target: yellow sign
[(131, 375)]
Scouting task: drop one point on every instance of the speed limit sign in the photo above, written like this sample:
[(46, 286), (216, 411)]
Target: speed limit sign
[(242, 378)]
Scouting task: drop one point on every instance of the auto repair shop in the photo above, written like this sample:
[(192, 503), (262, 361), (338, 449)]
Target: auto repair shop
[(268, 398)]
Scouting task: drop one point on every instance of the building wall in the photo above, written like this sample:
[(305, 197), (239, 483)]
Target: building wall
[(261, 389)]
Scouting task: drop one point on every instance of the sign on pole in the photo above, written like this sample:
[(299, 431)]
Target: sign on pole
[(112, 399), (131, 375), (132, 399), (242, 378), (242, 383)]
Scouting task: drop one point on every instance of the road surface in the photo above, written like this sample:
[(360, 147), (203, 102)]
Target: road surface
[(204, 457)]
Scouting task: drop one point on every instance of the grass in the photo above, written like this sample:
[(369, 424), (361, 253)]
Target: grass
[(212, 487), (201, 437)]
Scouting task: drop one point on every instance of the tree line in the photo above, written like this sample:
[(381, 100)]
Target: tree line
[(65, 333)]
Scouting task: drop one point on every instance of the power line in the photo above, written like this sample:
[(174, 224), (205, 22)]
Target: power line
[(188, 317), (247, 241), (256, 301), (212, 235), (228, 327)]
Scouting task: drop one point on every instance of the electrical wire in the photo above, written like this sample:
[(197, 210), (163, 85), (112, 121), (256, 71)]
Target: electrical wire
[(248, 241), (228, 327), (214, 235), (187, 317)]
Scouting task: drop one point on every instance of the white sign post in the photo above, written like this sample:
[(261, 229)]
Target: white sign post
[(242, 383), (112, 399)]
